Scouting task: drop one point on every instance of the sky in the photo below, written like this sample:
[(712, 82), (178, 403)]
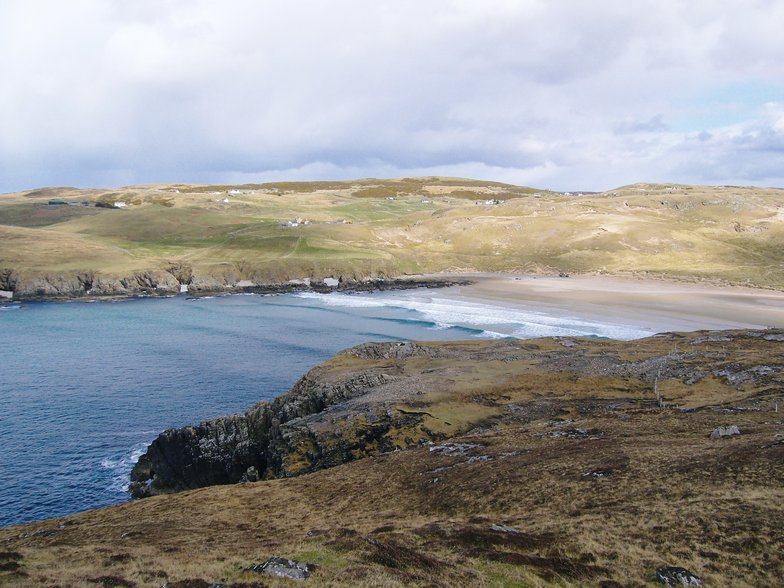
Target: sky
[(557, 94)]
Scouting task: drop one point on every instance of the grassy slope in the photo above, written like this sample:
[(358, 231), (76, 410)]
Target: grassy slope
[(668, 495), (433, 224)]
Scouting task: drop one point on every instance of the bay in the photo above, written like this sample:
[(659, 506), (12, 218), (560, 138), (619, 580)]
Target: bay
[(85, 387)]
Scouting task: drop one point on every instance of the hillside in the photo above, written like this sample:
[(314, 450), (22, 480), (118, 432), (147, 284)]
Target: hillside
[(70, 242), (559, 461)]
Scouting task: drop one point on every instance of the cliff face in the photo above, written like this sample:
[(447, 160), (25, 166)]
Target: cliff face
[(377, 398), (181, 278), (263, 442), (353, 406), (88, 284)]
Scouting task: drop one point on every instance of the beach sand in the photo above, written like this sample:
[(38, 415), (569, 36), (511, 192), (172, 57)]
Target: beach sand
[(650, 304)]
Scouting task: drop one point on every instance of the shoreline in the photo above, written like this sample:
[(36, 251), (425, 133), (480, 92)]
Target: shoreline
[(653, 303), (659, 305), (370, 285)]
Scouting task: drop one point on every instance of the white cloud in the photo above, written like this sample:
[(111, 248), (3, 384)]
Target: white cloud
[(570, 95)]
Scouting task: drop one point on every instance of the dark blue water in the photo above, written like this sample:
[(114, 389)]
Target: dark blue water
[(84, 387)]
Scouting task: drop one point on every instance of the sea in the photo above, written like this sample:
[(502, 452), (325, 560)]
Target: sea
[(86, 386)]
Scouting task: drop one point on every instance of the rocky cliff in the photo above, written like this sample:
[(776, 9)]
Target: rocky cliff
[(377, 398), (262, 442), (179, 278)]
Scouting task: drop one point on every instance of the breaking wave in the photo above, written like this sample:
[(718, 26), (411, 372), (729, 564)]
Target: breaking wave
[(491, 320)]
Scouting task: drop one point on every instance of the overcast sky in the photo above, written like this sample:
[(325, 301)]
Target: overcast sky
[(560, 94)]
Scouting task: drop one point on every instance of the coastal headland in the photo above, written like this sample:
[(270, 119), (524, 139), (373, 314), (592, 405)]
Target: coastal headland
[(567, 461)]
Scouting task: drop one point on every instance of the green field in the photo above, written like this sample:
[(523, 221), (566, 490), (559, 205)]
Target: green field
[(270, 233)]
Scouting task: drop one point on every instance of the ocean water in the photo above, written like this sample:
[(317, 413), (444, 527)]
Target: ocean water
[(85, 387)]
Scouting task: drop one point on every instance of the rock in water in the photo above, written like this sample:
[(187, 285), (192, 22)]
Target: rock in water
[(676, 576)]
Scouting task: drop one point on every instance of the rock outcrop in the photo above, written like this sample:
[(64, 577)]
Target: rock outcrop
[(677, 576), (89, 284), (380, 397), (273, 439), (179, 277)]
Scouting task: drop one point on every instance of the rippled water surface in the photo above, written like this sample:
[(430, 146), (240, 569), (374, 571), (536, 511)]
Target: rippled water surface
[(84, 387)]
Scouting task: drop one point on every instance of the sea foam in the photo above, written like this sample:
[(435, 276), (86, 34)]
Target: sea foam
[(495, 320)]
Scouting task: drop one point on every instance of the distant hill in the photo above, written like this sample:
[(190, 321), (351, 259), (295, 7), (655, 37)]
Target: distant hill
[(71, 242)]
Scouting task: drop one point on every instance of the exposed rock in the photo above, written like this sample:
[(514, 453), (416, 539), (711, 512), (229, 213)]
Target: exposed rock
[(8, 279), (182, 272), (453, 448), (280, 567), (711, 339), (727, 431), (151, 282), (268, 439), (737, 376), (559, 423), (251, 475), (169, 281), (676, 576), (504, 529), (576, 433), (596, 474), (53, 285), (377, 398)]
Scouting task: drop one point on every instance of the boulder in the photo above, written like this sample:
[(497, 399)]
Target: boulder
[(251, 475), (721, 432), (676, 576), (280, 567)]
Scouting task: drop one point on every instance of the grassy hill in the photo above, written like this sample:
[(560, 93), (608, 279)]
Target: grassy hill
[(270, 233)]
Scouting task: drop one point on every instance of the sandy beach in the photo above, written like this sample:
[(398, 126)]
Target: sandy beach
[(650, 304)]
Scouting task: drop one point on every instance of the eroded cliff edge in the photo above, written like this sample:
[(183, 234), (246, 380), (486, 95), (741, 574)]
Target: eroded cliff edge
[(379, 397), (181, 279)]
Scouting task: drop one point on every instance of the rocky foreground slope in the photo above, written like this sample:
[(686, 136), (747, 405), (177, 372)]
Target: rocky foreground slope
[(561, 461)]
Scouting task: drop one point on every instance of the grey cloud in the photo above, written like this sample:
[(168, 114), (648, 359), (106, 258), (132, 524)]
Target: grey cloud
[(569, 94)]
